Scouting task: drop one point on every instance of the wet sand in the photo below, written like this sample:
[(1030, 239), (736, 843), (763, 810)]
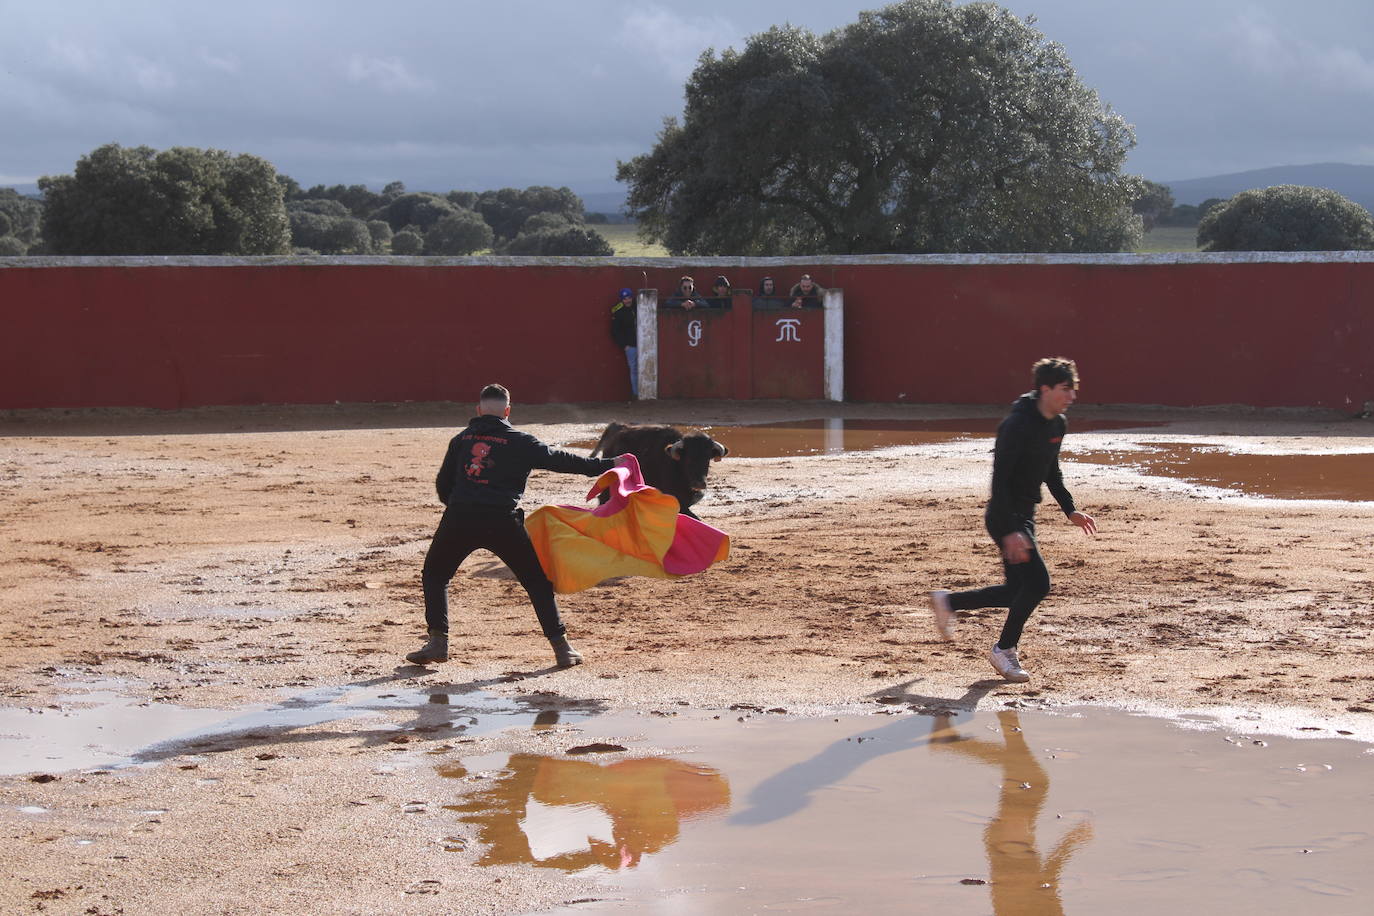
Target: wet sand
[(223, 559)]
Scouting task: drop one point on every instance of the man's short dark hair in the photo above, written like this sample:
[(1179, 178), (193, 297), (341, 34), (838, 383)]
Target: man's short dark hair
[(1054, 370), (494, 397)]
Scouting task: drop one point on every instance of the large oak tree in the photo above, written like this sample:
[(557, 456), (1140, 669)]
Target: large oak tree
[(923, 127), (136, 200)]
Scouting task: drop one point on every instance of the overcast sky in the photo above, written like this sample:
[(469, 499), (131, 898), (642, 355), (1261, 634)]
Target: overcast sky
[(445, 94)]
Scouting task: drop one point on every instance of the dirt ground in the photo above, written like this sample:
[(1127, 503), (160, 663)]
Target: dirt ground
[(228, 557)]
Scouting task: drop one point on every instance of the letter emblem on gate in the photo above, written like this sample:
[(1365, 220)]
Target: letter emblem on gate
[(787, 329), (694, 332)]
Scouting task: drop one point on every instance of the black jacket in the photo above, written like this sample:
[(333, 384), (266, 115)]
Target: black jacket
[(1027, 455), (488, 463), (624, 325)]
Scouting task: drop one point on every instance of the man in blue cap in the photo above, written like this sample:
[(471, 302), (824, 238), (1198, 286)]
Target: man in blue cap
[(625, 333)]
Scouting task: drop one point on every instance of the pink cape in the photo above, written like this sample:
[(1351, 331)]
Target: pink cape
[(637, 532)]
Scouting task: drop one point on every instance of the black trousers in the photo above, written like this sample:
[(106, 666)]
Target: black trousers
[(466, 528), (1025, 587)]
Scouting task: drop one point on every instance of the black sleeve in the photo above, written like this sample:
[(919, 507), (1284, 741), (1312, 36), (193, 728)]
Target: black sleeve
[(1010, 450), (556, 459), (443, 483), (1054, 480)]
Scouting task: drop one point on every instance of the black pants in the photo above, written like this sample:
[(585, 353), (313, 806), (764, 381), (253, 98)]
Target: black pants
[(464, 529), (1025, 587)]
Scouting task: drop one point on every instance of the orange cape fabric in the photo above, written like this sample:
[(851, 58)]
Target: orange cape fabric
[(637, 532)]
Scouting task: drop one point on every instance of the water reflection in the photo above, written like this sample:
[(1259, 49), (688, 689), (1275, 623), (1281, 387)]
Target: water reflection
[(575, 814), (1348, 476), (1022, 881), (834, 435)]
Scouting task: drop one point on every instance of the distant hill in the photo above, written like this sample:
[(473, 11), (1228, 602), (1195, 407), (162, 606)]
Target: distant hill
[(1354, 181)]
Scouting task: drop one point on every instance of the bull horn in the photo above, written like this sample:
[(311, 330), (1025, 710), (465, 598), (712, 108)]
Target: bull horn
[(720, 450), (674, 450)]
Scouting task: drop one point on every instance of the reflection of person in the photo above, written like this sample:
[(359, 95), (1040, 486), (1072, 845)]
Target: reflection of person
[(686, 296), (480, 483), (806, 292), (1026, 455), (625, 333), (1020, 880), (625, 810)]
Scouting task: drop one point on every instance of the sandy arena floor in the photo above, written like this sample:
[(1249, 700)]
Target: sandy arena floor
[(222, 558)]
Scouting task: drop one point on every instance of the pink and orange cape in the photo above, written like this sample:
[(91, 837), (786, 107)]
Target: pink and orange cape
[(637, 532)]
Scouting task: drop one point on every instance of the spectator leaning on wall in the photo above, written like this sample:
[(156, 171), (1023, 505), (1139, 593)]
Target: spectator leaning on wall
[(806, 292), (686, 296), (625, 333)]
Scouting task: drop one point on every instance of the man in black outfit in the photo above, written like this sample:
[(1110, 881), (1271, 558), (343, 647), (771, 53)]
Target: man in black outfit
[(480, 482), (1026, 455)]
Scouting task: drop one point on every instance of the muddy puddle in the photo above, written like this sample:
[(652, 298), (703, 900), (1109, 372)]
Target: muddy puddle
[(1004, 812), (833, 436), (1287, 476), (98, 726)]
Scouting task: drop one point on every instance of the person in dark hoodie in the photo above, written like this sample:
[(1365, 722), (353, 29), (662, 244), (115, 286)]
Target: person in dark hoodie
[(625, 333), (480, 484), (1026, 456)]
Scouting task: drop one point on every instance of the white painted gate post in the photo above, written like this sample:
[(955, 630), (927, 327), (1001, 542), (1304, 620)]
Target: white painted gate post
[(646, 313), (834, 345)]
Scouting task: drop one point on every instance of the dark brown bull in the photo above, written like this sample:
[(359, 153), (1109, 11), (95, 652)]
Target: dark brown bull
[(670, 461)]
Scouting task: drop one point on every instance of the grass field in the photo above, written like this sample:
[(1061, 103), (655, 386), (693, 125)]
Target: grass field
[(624, 238), (1169, 238)]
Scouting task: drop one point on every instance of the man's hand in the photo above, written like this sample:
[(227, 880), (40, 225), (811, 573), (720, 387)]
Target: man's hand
[(1084, 521), (1016, 547)]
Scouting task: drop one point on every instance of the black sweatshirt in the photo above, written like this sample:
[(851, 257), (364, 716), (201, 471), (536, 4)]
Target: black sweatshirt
[(1026, 455), (488, 463), (624, 325)]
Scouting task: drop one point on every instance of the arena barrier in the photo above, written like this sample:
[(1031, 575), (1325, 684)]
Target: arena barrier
[(1260, 329)]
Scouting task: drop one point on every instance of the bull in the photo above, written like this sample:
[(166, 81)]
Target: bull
[(670, 461)]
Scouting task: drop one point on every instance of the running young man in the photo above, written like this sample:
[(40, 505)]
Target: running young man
[(1026, 455), (480, 484)]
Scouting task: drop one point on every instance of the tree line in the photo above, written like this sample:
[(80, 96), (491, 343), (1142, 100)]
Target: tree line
[(925, 126), (188, 201), (1278, 218)]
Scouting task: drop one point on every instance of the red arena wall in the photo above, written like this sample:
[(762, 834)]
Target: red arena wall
[(1263, 330)]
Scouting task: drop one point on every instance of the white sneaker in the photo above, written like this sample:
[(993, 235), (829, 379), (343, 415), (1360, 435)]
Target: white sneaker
[(1007, 664), (945, 618)]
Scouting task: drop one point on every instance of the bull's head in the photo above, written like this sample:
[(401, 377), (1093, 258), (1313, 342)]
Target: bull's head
[(695, 452)]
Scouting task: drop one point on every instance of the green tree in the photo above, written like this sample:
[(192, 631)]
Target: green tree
[(180, 201), (420, 209), (381, 234), (25, 216), (507, 209), (11, 247), (357, 198), (1286, 217), (327, 227), (568, 240), (462, 232), (922, 127), (407, 242), (1155, 203), (541, 221), (465, 200)]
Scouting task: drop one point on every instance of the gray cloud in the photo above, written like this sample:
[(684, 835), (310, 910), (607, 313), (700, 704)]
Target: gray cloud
[(475, 95)]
